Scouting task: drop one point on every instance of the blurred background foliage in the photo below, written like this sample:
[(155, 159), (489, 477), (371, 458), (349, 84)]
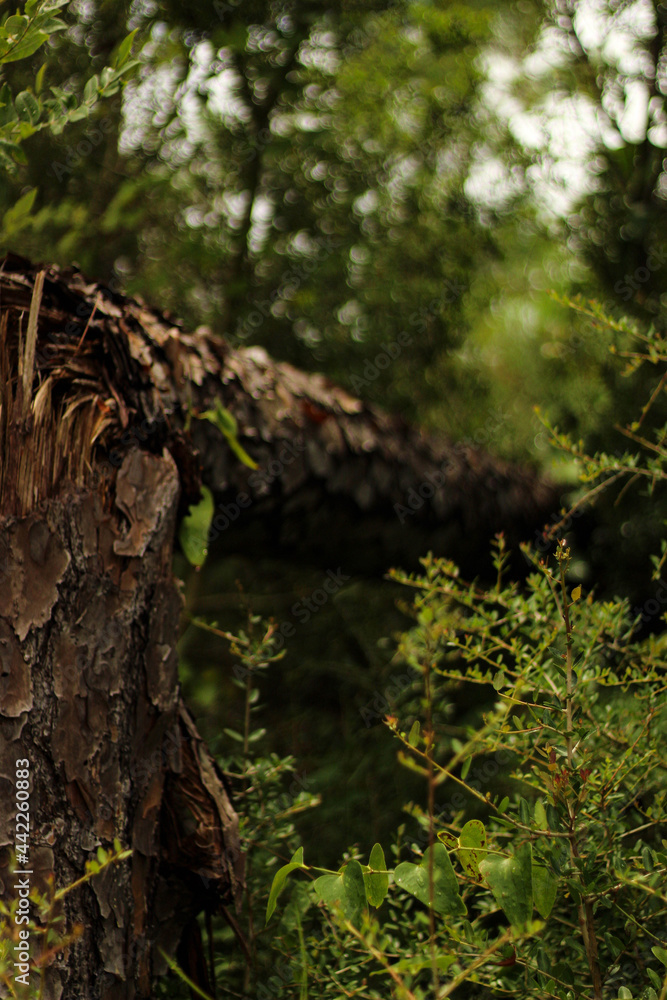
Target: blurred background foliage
[(323, 176)]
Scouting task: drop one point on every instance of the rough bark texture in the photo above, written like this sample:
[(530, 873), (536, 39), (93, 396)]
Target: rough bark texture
[(89, 696), (99, 455)]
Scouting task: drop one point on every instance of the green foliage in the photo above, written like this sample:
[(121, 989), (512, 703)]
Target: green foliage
[(280, 878), (269, 794), (226, 424), (537, 865), (194, 528), (579, 716), (307, 176), (543, 872), (324, 702), (193, 532), (24, 113)]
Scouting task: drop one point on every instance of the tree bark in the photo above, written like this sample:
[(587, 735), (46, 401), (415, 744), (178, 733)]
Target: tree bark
[(89, 615), (100, 455)]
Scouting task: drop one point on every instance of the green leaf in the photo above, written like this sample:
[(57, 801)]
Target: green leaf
[(411, 764), (545, 886), (576, 594), (415, 880), (329, 888), (345, 890), (233, 734), (540, 815), (279, 880), (16, 24), (660, 954), (300, 901), (510, 881), (13, 50), (647, 859), (124, 49), (39, 79), (472, 847), (91, 89), (44, 6), (465, 768), (222, 418), (624, 993), (413, 737), (8, 149), (16, 216), (354, 892), (449, 840), (553, 819), (614, 944), (655, 978), (6, 99), (27, 107), (226, 424), (194, 529), (376, 881), (256, 735), (418, 964)]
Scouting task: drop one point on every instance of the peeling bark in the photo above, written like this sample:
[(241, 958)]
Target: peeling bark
[(100, 451), (91, 700)]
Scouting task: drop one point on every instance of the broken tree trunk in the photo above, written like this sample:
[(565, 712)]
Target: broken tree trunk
[(100, 453)]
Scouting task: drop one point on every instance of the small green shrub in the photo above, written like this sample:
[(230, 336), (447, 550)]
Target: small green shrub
[(269, 794), (539, 865)]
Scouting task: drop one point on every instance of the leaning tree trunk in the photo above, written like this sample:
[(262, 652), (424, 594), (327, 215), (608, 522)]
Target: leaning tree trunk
[(99, 444), (89, 699)]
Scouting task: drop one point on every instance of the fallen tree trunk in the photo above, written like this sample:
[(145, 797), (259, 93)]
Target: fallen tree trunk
[(101, 453)]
